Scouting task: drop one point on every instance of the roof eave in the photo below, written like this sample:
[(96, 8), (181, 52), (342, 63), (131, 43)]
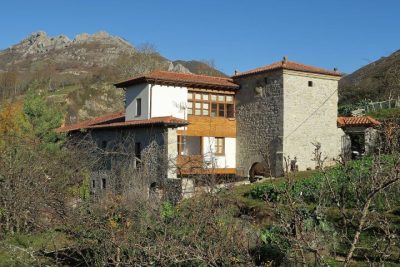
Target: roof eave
[(285, 68), (175, 83)]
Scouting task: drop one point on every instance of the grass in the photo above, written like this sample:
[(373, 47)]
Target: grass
[(385, 113), (18, 250), (261, 210)]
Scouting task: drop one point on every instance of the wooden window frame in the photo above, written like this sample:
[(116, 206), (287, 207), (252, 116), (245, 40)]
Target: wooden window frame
[(220, 147), (192, 102), (182, 143)]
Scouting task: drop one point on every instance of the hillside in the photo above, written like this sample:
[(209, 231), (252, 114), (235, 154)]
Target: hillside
[(376, 81), (79, 72)]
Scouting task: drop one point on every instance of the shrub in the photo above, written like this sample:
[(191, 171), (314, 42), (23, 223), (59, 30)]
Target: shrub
[(269, 192)]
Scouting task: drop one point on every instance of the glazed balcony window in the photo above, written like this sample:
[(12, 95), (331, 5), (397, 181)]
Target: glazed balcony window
[(214, 105)]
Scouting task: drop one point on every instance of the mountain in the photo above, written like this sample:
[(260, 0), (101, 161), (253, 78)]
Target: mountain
[(376, 81), (200, 67), (79, 72)]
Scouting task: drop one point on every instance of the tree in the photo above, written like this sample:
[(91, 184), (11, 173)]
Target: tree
[(43, 118), (145, 59)]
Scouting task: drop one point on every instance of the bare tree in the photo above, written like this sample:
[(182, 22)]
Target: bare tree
[(391, 81)]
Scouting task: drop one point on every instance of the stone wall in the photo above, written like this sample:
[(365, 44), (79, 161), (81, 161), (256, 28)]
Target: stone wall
[(259, 116), (310, 114), (158, 144)]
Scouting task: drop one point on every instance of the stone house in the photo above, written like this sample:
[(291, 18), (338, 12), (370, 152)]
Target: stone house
[(361, 135), (243, 126), (296, 109)]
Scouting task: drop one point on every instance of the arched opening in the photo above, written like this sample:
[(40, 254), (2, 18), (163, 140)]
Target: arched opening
[(257, 171), (153, 187), (154, 190)]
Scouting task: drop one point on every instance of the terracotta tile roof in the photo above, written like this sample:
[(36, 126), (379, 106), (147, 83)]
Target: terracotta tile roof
[(117, 120), (357, 121), (288, 65), (163, 121), (113, 117), (181, 79)]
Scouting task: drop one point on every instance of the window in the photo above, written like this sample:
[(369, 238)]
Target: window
[(221, 110), (103, 183), (93, 183), (205, 109), (219, 146), (190, 104), (138, 107), (310, 84), (230, 113), (230, 107), (214, 109), (104, 144), (181, 144), (214, 105), (197, 107), (138, 150)]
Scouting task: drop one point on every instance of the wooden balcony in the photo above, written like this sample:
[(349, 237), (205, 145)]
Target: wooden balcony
[(195, 164)]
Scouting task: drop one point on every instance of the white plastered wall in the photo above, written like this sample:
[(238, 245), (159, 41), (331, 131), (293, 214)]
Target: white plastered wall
[(132, 93), (219, 161), (168, 101)]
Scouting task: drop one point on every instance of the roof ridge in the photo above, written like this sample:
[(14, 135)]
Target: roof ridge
[(290, 65), (177, 77), (192, 74)]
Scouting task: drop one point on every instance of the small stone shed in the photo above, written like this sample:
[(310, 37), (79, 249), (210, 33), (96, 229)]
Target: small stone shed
[(361, 134)]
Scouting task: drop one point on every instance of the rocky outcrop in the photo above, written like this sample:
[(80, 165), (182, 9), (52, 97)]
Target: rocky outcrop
[(177, 68), (39, 43)]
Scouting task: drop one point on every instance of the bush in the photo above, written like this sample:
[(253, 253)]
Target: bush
[(269, 192), (342, 179), (306, 188)]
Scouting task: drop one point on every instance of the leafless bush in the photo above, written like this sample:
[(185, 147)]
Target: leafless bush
[(122, 232), (35, 184)]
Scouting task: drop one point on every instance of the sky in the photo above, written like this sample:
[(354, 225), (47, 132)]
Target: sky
[(236, 35)]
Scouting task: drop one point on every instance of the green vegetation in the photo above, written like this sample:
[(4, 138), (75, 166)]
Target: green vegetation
[(43, 118), (318, 210), (22, 249), (391, 113)]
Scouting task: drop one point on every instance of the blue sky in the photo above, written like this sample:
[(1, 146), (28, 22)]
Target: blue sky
[(235, 34)]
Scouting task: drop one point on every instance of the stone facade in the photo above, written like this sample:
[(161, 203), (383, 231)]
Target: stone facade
[(259, 115), (283, 114), (162, 138), (310, 118)]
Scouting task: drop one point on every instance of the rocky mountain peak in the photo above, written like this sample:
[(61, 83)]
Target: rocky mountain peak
[(39, 43)]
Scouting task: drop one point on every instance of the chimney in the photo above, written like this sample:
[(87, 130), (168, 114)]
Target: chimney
[(237, 72), (284, 60), (335, 69)]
